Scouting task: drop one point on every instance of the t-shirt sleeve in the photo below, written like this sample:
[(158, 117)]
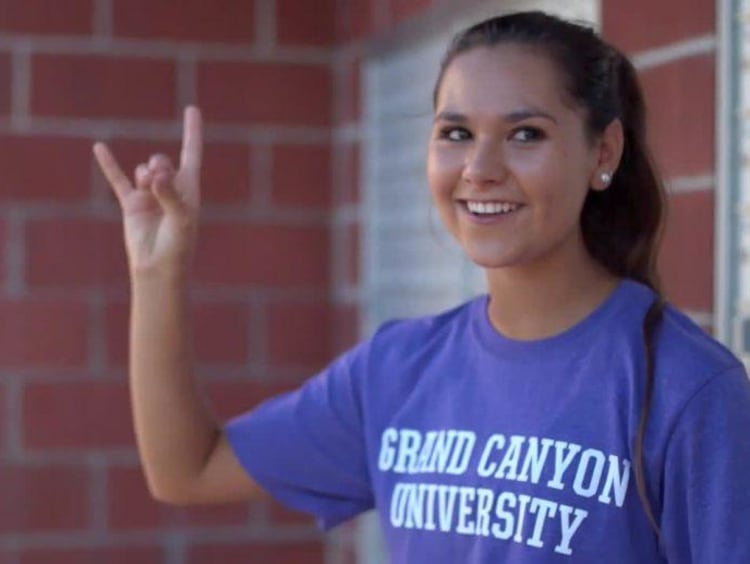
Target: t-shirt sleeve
[(306, 448), (706, 496)]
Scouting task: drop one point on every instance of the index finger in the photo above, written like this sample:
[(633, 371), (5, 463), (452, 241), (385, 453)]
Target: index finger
[(192, 139), (112, 171)]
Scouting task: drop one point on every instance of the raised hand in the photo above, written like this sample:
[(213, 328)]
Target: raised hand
[(160, 209)]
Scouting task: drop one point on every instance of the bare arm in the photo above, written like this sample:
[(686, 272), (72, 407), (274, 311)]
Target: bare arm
[(185, 456)]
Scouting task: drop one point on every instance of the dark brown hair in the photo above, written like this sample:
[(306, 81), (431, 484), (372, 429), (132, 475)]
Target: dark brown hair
[(621, 225)]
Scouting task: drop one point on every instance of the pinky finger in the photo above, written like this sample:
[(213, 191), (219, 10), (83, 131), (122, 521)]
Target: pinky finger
[(112, 171)]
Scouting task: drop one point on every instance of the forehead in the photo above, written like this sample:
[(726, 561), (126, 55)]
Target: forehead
[(501, 79)]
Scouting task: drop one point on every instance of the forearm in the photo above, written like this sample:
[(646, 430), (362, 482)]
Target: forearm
[(175, 430), (185, 455)]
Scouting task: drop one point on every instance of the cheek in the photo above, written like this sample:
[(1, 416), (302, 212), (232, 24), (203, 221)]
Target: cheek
[(556, 183), (564, 203), (443, 171)]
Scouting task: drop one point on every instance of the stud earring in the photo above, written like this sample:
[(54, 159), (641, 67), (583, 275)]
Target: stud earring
[(606, 178)]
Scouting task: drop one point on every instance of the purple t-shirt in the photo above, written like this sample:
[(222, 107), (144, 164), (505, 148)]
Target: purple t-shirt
[(477, 448)]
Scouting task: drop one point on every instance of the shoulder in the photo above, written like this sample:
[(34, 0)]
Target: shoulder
[(431, 323), (685, 356), (691, 366), (414, 336), (681, 346), (397, 346), (685, 350)]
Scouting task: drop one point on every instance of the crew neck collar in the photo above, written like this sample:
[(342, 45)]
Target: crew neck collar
[(497, 343)]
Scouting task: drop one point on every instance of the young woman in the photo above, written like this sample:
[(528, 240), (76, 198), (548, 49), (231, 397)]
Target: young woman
[(570, 415)]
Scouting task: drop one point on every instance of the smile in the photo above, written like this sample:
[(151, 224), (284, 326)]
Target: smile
[(490, 208)]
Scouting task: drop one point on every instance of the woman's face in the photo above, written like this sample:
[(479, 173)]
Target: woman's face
[(509, 162)]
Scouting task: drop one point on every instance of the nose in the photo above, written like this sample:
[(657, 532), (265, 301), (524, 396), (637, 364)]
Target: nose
[(484, 165)]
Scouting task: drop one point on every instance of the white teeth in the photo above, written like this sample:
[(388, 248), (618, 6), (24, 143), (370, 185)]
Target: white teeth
[(490, 208)]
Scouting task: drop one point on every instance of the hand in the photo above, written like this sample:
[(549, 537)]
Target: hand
[(160, 214)]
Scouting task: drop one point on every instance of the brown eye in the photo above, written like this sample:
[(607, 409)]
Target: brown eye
[(528, 134), (454, 134)]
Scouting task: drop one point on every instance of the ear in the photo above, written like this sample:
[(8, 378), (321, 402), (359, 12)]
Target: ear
[(608, 152)]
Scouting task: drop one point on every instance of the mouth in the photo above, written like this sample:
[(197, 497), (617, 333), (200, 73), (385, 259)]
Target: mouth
[(489, 209)]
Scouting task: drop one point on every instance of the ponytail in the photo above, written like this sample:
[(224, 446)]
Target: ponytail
[(650, 325)]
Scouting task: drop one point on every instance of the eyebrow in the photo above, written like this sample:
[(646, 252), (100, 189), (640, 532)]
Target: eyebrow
[(512, 117)]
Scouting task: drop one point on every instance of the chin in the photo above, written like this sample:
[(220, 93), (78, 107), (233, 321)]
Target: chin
[(492, 260), (492, 256), (492, 251)]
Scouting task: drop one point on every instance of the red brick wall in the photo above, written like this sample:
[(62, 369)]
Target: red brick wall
[(675, 50), (121, 71)]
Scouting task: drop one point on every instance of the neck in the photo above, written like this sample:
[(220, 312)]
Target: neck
[(544, 298)]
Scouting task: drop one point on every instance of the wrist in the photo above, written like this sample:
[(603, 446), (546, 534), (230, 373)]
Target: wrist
[(173, 276)]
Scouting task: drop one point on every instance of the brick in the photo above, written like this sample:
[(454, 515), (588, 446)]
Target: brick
[(299, 334), (43, 498), (263, 255), (93, 86), (223, 515), (116, 319), (301, 176), (82, 414), (279, 514), (108, 555), (230, 397), (132, 507), (624, 24), (5, 83), (223, 21), (99, 258), (299, 23), (46, 17), (226, 174), (226, 166), (39, 168), (355, 19), (221, 333), (687, 253), (43, 333), (403, 9), (349, 92), (298, 553), (4, 248), (681, 99), (266, 93), (4, 422)]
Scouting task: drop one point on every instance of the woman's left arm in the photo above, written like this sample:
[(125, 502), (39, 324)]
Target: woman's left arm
[(706, 487)]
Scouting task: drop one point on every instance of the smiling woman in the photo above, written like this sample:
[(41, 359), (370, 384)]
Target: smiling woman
[(568, 415)]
